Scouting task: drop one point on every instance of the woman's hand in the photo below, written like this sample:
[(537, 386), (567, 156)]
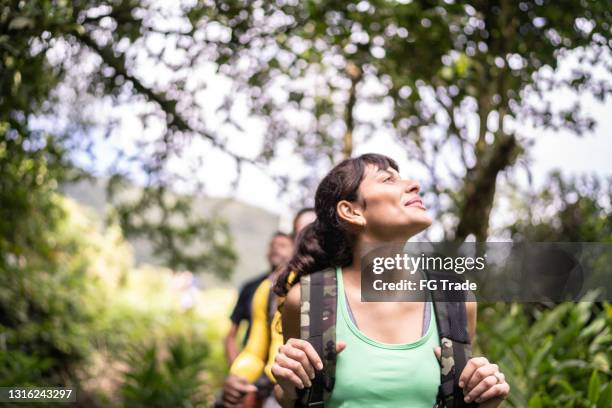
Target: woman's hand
[(295, 365), (483, 383)]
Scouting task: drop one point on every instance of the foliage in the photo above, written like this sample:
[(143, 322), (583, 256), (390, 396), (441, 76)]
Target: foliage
[(77, 317), (156, 349), (435, 67), (46, 91), (146, 307), (573, 210), (555, 355), (560, 358), (47, 304), (452, 80), (173, 381)]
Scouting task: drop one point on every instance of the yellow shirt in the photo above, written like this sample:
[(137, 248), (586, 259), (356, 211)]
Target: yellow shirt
[(258, 354)]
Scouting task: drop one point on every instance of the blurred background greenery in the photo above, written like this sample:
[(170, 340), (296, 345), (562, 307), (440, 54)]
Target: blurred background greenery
[(113, 262)]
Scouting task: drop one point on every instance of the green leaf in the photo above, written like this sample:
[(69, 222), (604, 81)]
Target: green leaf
[(594, 385), (462, 64), (601, 362), (535, 401), (567, 387), (605, 398), (20, 23)]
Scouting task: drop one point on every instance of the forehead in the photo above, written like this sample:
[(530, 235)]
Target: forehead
[(306, 215), (281, 238), (372, 170)]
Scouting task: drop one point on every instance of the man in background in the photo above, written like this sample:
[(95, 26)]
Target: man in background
[(250, 382), (280, 250)]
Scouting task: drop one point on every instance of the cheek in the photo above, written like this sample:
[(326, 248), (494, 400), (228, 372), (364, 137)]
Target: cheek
[(384, 197), (385, 207)]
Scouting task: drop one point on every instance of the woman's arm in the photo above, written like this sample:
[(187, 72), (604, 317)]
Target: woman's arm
[(231, 349), (471, 309), (290, 313)]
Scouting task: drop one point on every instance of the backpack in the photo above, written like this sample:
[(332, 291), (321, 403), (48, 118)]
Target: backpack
[(318, 327)]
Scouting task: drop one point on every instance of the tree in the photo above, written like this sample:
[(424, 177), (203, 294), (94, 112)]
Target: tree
[(59, 62), (439, 67), (576, 209), (535, 344), (451, 80)]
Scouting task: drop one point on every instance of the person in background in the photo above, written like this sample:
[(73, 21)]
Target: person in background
[(253, 365), (279, 252), (302, 218)]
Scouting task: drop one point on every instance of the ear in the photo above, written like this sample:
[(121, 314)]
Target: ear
[(351, 213)]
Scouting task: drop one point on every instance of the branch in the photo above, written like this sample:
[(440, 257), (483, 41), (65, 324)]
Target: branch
[(175, 119), (454, 130), (355, 73)]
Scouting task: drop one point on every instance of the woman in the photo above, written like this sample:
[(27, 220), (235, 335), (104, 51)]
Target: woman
[(386, 350)]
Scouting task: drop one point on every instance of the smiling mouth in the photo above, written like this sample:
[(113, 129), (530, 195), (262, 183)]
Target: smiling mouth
[(415, 202)]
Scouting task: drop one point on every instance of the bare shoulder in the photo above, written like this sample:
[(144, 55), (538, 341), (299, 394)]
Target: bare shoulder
[(471, 308), (291, 313), (292, 300)]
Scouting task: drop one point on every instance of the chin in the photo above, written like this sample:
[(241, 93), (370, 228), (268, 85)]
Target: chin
[(419, 223)]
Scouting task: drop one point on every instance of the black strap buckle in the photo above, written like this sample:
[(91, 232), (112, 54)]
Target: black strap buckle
[(328, 382)]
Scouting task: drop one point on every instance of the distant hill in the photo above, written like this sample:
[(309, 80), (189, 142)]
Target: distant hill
[(251, 228)]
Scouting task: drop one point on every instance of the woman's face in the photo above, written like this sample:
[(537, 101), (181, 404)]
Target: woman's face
[(391, 207)]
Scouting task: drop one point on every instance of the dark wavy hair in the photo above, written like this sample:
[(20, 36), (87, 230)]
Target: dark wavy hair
[(327, 242)]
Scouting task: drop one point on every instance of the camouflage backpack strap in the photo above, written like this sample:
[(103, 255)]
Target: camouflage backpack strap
[(451, 319), (318, 327)]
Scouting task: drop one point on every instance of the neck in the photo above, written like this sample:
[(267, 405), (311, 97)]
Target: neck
[(364, 243), (274, 272)]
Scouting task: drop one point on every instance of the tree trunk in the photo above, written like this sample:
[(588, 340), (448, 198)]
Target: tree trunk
[(479, 189)]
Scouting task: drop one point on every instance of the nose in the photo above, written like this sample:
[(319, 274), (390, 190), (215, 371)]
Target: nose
[(412, 186)]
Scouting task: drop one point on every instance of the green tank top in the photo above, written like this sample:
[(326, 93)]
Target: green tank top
[(374, 374)]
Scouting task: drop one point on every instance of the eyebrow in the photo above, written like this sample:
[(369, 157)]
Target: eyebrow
[(384, 171)]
